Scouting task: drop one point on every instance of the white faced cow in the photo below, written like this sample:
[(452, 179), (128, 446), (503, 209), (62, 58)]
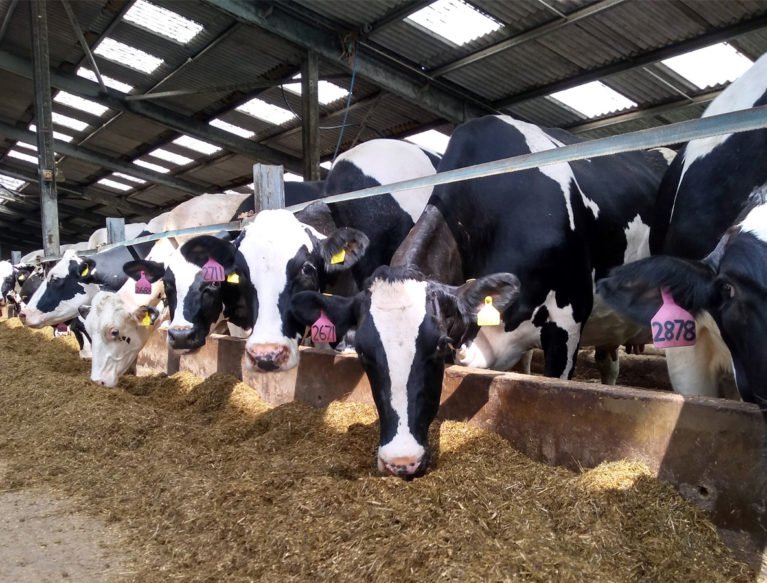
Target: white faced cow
[(324, 247), (556, 229)]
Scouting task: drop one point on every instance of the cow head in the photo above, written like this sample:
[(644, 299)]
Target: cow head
[(285, 257), (117, 335), (7, 280), (405, 329), (730, 284), (67, 286)]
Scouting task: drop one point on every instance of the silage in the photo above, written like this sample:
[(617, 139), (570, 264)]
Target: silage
[(208, 483)]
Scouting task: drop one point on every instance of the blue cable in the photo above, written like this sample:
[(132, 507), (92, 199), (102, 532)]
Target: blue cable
[(348, 104)]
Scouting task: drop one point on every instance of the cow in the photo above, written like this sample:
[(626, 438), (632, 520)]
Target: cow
[(709, 244), (532, 242), (329, 247), (74, 280), (7, 281)]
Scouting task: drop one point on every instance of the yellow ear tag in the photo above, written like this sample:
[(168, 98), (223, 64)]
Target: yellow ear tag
[(338, 257), (147, 320), (233, 278), (84, 272), (488, 315)]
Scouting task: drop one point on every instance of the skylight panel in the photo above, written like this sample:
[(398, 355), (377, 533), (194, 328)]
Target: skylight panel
[(162, 21), (56, 135), (114, 185), (431, 140), (108, 81), (232, 129), (26, 146), (76, 102), (266, 111), (171, 157), (127, 56), (593, 99), (23, 156), (70, 122), (196, 145), (11, 183), (454, 21), (291, 177), (150, 166), (128, 177), (710, 66), (327, 92)]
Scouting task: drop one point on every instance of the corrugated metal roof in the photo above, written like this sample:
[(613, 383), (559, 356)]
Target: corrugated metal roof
[(402, 73)]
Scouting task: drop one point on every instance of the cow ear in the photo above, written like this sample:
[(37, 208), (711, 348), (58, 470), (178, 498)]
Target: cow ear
[(146, 315), (344, 248), (83, 270), (154, 271), (634, 288), (502, 288), (84, 310), (342, 311), (203, 247)]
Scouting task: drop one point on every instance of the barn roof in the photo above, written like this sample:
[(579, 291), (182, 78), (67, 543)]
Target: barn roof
[(191, 120)]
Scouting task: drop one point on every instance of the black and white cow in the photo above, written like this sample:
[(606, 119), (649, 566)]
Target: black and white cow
[(331, 248), (556, 229), (711, 243)]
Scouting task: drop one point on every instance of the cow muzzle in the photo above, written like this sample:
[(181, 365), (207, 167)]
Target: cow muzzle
[(31, 318), (405, 467), (267, 357), (183, 338)]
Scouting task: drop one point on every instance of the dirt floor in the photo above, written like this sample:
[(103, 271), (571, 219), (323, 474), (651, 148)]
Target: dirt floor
[(182, 479)]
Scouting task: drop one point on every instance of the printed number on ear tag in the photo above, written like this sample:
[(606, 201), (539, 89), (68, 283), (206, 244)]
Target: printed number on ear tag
[(212, 271), (146, 320), (323, 330), (672, 325), (142, 285), (338, 257), (488, 315), (61, 330), (233, 278)]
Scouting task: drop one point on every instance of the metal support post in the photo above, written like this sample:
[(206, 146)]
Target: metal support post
[(115, 230), (268, 188), (310, 110), (15, 257)]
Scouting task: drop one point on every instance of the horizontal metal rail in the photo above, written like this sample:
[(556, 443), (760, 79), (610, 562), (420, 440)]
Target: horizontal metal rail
[(715, 125)]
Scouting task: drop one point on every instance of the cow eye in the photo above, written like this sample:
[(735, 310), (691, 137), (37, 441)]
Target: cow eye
[(214, 284), (726, 290), (308, 269), (114, 333)]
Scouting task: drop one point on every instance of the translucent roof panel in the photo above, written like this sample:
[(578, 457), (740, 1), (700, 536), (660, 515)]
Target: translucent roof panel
[(114, 185), (76, 102), (266, 111), (196, 145), (454, 21), (150, 166), (593, 99), (69, 122), (23, 156), (171, 157), (710, 66), (127, 56), (290, 177), (11, 183), (108, 81), (129, 178), (327, 92), (56, 136), (232, 129), (162, 21), (431, 140)]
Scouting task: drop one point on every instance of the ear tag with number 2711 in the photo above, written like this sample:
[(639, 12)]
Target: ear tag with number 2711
[(672, 325), (323, 330), (212, 271)]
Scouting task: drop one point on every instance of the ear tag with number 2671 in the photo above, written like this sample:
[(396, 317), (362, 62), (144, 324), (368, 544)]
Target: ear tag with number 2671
[(672, 325), (323, 330)]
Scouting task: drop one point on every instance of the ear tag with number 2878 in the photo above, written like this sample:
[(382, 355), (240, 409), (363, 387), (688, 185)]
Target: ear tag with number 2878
[(142, 285), (672, 325)]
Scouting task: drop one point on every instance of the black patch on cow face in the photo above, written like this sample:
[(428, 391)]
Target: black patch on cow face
[(554, 344), (541, 317), (305, 272), (60, 289), (202, 307)]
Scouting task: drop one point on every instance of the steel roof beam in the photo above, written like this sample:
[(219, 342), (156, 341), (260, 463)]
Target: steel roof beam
[(418, 89)]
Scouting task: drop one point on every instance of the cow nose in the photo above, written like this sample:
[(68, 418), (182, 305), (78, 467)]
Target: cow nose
[(267, 357), (406, 467), (179, 335), (22, 317)]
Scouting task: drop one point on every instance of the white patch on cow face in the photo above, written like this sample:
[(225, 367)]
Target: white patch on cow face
[(538, 141), (397, 310), (637, 240), (116, 338), (756, 222), (184, 274), (389, 161), (66, 309), (270, 242)]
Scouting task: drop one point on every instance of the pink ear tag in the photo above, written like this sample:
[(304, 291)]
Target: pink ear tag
[(212, 271), (323, 330), (142, 285), (672, 325)]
